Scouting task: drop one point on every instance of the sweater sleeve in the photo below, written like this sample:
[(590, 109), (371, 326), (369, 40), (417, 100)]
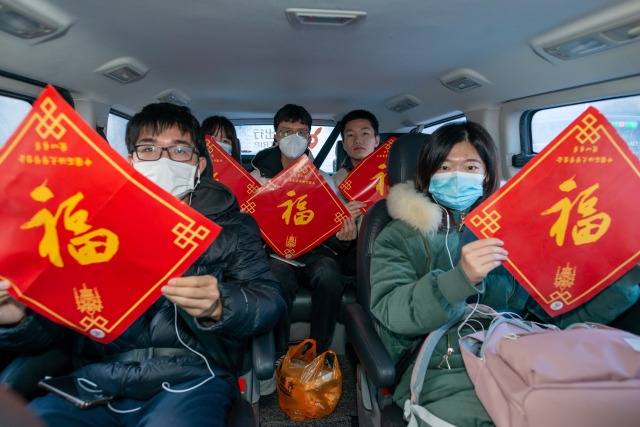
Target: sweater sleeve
[(610, 303), (408, 298)]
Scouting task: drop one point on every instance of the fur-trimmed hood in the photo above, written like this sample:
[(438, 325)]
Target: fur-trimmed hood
[(410, 206)]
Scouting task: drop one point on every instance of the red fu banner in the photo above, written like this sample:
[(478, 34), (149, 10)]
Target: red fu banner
[(568, 217), (367, 182), (230, 173), (296, 210), (86, 240)]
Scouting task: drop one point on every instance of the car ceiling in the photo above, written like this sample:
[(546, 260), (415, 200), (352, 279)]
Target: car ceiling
[(244, 59)]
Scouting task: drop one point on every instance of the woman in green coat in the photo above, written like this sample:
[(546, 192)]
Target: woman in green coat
[(416, 287)]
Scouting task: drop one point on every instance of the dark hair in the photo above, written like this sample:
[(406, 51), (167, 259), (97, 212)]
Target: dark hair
[(161, 116), (359, 114), (443, 139), (213, 124), (292, 113)]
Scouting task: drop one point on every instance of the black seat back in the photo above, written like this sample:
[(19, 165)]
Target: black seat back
[(401, 165)]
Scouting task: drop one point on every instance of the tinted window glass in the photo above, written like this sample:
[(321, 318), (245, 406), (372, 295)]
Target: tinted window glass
[(254, 138), (116, 130), (12, 111), (623, 113)]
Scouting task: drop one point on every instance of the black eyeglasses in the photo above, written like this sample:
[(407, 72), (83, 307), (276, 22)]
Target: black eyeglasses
[(286, 132), (177, 153)]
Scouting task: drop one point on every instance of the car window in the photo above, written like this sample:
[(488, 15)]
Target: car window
[(623, 113), (432, 127), (254, 138), (12, 112), (116, 130)]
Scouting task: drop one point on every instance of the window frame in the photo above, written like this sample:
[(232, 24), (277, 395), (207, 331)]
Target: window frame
[(450, 119), (510, 131), (526, 126)]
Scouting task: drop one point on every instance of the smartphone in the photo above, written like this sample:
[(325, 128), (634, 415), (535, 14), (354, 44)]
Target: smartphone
[(288, 261), (81, 392)]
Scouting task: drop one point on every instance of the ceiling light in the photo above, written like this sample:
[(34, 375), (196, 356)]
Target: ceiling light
[(402, 103), (323, 16), (35, 22), (124, 70), (613, 27), (463, 79), (174, 97)]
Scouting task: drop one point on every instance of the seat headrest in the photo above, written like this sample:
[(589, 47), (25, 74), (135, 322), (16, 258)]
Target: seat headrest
[(208, 169), (403, 157)]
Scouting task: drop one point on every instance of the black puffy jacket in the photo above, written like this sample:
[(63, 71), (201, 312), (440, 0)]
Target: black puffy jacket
[(251, 304)]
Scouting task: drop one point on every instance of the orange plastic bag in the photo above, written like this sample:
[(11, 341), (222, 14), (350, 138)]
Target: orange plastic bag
[(308, 386)]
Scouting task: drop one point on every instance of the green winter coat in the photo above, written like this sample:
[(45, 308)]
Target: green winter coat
[(414, 290)]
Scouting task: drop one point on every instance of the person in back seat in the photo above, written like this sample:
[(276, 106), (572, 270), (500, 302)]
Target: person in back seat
[(177, 363), (222, 130), (321, 270), (416, 288), (359, 129)]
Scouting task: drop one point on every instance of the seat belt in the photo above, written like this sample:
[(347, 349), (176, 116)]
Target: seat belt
[(328, 145)]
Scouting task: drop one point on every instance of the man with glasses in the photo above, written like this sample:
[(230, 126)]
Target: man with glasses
[(319, 269), (176, 364)]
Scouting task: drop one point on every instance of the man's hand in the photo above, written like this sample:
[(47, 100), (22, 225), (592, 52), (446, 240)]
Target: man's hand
[(197, 295), (11, 311), (349, 230), (354, 208), (480, 257)]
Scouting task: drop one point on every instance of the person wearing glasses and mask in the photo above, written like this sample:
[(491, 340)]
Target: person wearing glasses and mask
[(321, 270), (176, 364)]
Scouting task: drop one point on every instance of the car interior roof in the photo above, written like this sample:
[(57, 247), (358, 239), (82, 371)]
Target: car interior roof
[(245, 59)]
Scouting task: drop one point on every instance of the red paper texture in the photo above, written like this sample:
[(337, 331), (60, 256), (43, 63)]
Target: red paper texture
[(367, 182), (568, 218), (86, 240), (230, 173), (296, 210)]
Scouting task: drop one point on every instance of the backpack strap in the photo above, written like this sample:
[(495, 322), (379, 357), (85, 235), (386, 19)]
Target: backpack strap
[(422, 362), (412, 410)]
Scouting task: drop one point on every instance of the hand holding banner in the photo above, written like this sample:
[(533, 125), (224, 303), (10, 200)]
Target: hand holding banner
[(296, 210), (87, 241), (568, 230), (367, 182)]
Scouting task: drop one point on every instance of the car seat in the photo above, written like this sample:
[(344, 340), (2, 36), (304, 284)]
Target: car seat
[(301, 308), (376, 374)]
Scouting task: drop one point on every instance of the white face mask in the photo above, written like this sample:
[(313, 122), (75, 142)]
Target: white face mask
[(293, 146), (226, 147), (177, 178)]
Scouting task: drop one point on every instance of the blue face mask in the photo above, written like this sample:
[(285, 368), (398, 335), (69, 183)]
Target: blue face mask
[(456, 190)]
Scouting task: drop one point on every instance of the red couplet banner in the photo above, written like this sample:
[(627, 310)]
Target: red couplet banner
[(568, 218), (230, 173), (296, 210), (87, 241), (367, 182)]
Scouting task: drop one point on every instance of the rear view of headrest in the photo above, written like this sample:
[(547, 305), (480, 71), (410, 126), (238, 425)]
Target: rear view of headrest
[(403, 157)]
